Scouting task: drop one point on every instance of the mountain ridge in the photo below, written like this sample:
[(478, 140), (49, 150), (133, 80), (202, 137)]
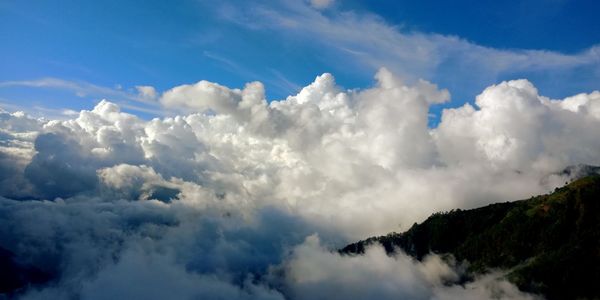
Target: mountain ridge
[(550, 244)]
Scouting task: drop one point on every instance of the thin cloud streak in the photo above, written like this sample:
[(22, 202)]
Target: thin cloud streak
[(411, 54), (277, 80), (85, 89)]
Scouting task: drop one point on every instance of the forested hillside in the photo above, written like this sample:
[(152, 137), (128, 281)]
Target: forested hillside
[(550, 244)]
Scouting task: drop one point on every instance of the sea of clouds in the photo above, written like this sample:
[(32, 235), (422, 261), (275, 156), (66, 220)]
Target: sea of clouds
[(241, 198)]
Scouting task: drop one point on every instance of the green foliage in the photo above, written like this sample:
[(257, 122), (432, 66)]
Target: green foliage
[(551, 243)]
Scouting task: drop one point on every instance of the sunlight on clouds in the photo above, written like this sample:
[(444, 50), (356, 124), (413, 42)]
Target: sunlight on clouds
[(226, 194)]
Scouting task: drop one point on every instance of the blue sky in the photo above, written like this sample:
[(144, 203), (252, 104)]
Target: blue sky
[(67, 55)]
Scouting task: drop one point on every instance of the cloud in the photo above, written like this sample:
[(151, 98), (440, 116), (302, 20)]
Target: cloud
[(326, 140), (18, 132), (202, 96), (315, 273), (321, 4), (59, 169), (146, 92), (143, 276), (225, 194), (143, 101), (81, 89), (366, 42), (277, 81), (514, 126)]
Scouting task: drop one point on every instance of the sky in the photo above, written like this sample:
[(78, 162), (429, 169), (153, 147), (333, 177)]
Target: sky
[(68, 55), (227, 149)]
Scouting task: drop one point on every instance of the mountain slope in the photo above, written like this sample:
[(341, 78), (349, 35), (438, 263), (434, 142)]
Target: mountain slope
[(550, 243)]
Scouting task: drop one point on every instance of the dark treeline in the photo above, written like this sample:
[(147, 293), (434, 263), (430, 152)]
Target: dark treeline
[(549, 244)]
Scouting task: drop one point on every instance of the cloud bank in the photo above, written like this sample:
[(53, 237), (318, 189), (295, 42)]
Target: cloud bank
[(238, 197)]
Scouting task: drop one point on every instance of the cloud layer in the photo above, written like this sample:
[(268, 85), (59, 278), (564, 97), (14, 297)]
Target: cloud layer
[(218, 202)]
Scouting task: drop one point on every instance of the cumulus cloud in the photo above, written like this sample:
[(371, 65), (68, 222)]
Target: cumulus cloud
[(208, 97), (146, 92), (225, 194), (514, 126)]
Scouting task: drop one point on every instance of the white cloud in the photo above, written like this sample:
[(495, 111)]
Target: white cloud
[(222, 193), (146, 92), (81, 89), (357, 151), (514, 126), (315, 273)]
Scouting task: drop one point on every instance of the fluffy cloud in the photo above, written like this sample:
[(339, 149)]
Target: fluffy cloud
[(224, 196), (315, 273), (146, 92), (207, 96), (515, 127)]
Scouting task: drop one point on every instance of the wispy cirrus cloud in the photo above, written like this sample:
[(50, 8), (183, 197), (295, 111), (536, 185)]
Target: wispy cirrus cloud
[(80, 88), (141, 99), (364, 41), (274, 79)]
